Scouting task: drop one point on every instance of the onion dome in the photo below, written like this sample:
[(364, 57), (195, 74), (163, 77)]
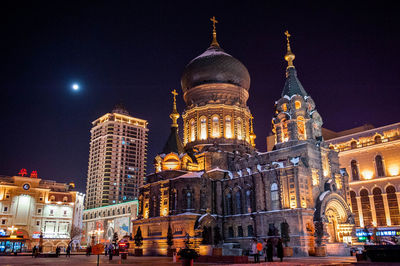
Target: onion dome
[(215, 66)]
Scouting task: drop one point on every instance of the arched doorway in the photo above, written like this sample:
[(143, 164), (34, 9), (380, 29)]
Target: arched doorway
[(335, 214)]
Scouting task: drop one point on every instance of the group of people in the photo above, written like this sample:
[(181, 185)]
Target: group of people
[(67, 251), (267, 249)]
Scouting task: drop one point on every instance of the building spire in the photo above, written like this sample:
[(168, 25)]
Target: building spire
[(214, 40), (289, 57), (252, 135), (174, 115)]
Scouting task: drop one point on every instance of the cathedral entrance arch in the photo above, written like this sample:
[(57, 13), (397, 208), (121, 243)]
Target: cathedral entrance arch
[(207, 225), (333, 211)]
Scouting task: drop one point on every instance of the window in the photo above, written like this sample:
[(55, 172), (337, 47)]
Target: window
[(301, 128), (285, 132), (354, 170), (52, 212), (353, 144), (239, 129), (297, 104), (3, 221), (284, 107), (240, 231), (274, 196), (188, 200), (203, 128), (65, 212), (228, 203), (37, 223), (248, 201), (379, 166), (354, 207), (230, 232), (250, 231), (228, 127), (378, 139), (238, 200), (7, 196), (215, 127), (52, 198), (5, 209), (393, 205), (379, 207), (366, 207), (65, 199), (192, 130)]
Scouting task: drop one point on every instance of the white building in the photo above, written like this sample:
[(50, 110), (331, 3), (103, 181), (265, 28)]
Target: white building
[(30, 207)]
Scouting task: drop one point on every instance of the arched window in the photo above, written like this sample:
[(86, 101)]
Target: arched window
[(239, 129), (378, 139), (248, 201), (285, 132), (203, 128), (203, 200), (354, 207), (379, 166), (188, 200), (52, 198), (192, 130), (228, 203), (379, 207), (354, 170), (274, 196), (353, 144), (297, 104), (108, 212), (238, 202), (284, 107), (123, 210), (366, 207), (113, 212), (65, 199), (301, 128), (228, 127), (393, 205), (215, 126)]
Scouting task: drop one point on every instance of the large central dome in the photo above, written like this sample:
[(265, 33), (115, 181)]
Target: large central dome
[(215, 66)]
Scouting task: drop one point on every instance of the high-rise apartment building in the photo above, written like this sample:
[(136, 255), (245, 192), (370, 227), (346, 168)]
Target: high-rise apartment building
[(117, 158)]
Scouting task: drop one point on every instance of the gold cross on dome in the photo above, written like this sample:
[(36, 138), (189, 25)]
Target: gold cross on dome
[(287, 35), (214, 21), (175, 94)]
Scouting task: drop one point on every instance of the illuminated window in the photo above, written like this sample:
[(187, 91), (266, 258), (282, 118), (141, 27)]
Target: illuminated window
[(366, 207), (378, 139), (203, 128), (354, 208), (239, 128), (379, 207), (192, 130), (65, 199), (274, 196), (228, 127), (215, 127), (380, 171), (393, 205), (297, 104), (354, 170), (284, 107), (248, 201), (301, 129), (285, 132), (353, 144)]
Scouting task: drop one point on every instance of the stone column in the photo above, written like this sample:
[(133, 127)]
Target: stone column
[(398, 200), (219, 198), (373, 211), (360, 213), (387, 211)]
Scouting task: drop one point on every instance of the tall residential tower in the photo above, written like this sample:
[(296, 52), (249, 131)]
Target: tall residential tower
[(117, 158)]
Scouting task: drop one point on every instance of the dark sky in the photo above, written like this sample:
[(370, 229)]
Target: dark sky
[(347, 58)]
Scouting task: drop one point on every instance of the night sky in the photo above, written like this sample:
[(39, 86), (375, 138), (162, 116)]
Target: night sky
[(347, 58)]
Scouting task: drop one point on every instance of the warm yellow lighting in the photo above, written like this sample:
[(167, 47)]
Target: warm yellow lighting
[(315, 177), (388, 222), (146, 214), (13, 236), (297, 104), (165, 212), (394, 170), (367, 174), (284, 107), (374, 223), (203, 128)]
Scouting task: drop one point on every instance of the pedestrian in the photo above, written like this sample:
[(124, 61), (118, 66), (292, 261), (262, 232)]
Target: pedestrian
[(254, 251), (279, 249), (68, 252), (265, 249), (58, 250), (110, 251), (270, 250), (34, 251), (105, 251)]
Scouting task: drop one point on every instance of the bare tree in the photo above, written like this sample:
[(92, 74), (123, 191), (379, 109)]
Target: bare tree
[(76, 232)]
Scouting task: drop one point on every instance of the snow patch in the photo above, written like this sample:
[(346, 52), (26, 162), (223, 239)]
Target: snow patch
[(248, 170), (322, 196), (295, 160), (278, 164)]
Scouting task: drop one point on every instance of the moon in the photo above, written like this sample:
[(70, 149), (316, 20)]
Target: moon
[(75, 87)]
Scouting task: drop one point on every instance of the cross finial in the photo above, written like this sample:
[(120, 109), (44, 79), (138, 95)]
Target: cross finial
[(175, 94), (174, 115), (214, 41), (289, 57)]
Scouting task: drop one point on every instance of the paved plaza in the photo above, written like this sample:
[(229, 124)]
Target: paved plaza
[(76, 260)]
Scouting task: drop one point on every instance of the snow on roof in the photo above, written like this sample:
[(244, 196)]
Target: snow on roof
[(248, 170), (211, 52), (188, 213), (217, 169), (322, 196), (295, 160), (280, 164), (190, 175), (230, 174)]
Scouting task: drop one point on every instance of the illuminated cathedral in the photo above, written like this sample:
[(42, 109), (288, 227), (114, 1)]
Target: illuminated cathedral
[(214, 186)]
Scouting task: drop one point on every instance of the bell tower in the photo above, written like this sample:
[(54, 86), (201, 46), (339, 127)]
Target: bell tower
[(295, 118)]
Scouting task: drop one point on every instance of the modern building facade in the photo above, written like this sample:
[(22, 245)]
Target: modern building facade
[(215, 186), (371, 156), (100, 224), (31, 207), (117, 158)]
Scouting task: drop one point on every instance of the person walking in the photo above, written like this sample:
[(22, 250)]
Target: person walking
[(58, 249), (279, 249), (254, 251), (68, 252), (110, 251), (265, 249), (270, 250), (34, 251)]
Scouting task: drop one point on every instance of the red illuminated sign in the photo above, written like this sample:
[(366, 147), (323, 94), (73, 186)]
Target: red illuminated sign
[(23, 172), (34, 174)]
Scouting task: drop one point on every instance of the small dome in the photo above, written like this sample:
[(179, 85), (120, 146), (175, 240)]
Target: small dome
[(215, 66)]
